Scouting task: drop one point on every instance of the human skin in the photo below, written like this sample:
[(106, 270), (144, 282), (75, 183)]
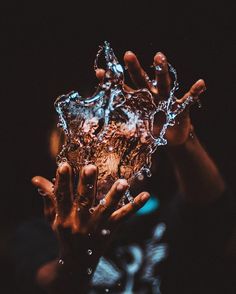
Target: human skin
[(199, 180), (79, 231)]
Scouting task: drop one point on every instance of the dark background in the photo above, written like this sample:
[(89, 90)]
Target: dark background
[(49, 49)]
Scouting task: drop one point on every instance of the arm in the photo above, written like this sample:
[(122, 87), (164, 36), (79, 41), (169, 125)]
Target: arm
[(78, 229), (199, 179)]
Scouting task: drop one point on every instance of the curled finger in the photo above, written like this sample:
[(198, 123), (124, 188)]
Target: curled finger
[(45, 188), (195, 91), (109, 204), (136, 72), (129, 209)]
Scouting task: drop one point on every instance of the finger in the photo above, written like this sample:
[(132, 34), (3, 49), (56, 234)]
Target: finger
[(87, 187), (136, 72), (198, 88), (43, 185), (64, 190), (162, 75), (100, 74), (45, 188), (109, 204), (129, 209), (128, 88)]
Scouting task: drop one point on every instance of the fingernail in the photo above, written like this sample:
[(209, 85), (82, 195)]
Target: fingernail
[(90, 170), (34, 180), (63, 169), (122, 185), (160, 61), (145, 197)]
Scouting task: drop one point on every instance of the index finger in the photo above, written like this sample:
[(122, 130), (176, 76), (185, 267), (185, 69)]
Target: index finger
[(162, 75)]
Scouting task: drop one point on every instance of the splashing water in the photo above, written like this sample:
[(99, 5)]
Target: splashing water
[(113, 129)]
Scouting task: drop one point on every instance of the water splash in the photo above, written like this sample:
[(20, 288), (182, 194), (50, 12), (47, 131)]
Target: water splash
[(105, 232), (113, 128), (89, 252)]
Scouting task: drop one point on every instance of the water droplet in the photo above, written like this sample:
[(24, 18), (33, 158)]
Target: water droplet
[(41, 192), (53, 180), (141, 177), (89, 271), (110, 148), (107, 290), (105, 232), (199, 104), (102, 202), (61, 261), (154, 83), (191, 135), (147, 78), (119, 284), (129, 196), (90, 186), (78, 209), (91, 210), (90, 252), (158, 68), (148, 173)]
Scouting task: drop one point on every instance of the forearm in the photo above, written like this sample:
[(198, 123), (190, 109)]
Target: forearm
[(199, 179)]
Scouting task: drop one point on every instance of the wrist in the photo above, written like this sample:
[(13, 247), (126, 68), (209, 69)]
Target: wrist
[(189, 143)]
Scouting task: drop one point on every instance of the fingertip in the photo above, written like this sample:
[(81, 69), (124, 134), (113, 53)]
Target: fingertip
[(160, 62), (122, 185), (200, 86), (100, 73), (64, 168), (90, 170), (35, 180), (130, 57), (160, 57), (145, 196), (202, 83)]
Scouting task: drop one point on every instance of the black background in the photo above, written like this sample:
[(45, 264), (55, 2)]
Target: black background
[(48, 50)]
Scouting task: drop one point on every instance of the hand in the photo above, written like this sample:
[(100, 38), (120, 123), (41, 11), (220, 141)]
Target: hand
[(83, 230), (179, 133)]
